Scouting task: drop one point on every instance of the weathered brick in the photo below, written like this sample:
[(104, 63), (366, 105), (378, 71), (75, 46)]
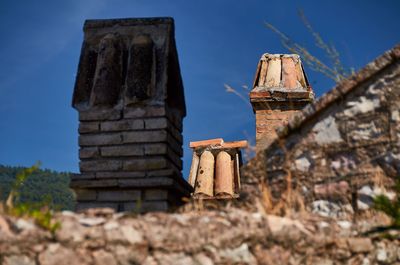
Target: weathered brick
[(173, 143), (119, 175), (146, 182), (267, 121), (145, 164), (100, 139), (138, 112), (145, 136), (88, 127), (170, 170), (100, 165), (94, 183), (156, 123), (122, 125), (97, 115), (81, 206), (89, 152), (85, 194), (82, 176), (122, 150), (155, 149), (175, 133), (155, 194), (160, 173), (118, 195), (151, 206), (175, 158), (175, 118)]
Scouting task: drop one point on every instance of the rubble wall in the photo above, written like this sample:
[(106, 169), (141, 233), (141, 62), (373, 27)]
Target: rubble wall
[(346, 152), (193, 238)]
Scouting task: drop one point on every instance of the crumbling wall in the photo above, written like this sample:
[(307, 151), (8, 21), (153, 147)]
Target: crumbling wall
[(193, 238), (343, 154)]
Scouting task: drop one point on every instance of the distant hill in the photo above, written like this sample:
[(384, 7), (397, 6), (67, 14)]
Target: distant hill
[(41, 185)]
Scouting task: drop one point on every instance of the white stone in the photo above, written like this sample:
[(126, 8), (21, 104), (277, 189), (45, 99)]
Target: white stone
[(203, 259), (302, 164), (326, 131), (132, 235), (18, 260), (381, 255), (277, 224), (396, 115), (344, 224), (111, 225), (366, 261), (68, 213), (257, 216), (362, 205), (366, 190), (379, 191), (92, 221), (22, 224), (362, 105), (241, 255), (365, 131), (323, 225), (325, 208)]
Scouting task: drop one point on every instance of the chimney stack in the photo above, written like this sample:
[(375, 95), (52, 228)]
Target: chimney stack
[(130, 99), (280, 89)]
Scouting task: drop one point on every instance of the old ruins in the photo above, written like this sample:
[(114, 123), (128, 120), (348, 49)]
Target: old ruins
[(305, 198), (340, 151)]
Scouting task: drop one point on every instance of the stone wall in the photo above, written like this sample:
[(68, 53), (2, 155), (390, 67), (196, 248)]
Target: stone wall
[(340, 151), (193, 238)]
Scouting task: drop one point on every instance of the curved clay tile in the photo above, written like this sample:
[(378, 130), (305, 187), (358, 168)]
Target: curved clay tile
[(223, 174), (193, 169), (205, 176), (263, 72), (273, 78), (289, 75)]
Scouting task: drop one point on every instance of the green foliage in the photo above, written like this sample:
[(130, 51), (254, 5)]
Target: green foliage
[(42, 185), (391, 208), (40, 212), (29, 192)]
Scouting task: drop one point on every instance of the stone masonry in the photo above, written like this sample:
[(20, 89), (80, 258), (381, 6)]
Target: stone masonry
[(130, 99), (280, 89), (223, 237), (340, 151)]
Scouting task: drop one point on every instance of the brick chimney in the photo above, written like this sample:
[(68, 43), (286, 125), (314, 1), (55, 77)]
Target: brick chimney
[(280, 89), (130, 99)]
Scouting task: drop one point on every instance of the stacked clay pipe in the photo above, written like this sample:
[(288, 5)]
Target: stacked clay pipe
[(215, 168)]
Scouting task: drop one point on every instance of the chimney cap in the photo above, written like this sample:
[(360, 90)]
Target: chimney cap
[(280, 77)]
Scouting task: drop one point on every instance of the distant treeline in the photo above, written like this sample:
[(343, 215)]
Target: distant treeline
[(44, 185)]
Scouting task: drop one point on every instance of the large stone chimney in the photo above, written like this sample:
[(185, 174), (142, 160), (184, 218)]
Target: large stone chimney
[(130, 99), (280, 89)]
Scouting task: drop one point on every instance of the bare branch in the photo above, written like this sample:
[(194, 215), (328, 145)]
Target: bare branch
[(230, 89)]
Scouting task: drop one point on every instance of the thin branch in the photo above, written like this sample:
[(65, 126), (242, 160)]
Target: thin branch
[(230, 89)]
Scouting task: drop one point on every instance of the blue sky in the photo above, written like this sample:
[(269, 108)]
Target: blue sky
[(218, 42)]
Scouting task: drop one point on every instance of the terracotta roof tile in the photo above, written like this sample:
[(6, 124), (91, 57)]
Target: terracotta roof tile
[(214, 172), (203, 143), (280, 77)]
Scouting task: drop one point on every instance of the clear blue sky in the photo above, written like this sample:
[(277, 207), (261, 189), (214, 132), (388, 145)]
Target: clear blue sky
[(218, 42)]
